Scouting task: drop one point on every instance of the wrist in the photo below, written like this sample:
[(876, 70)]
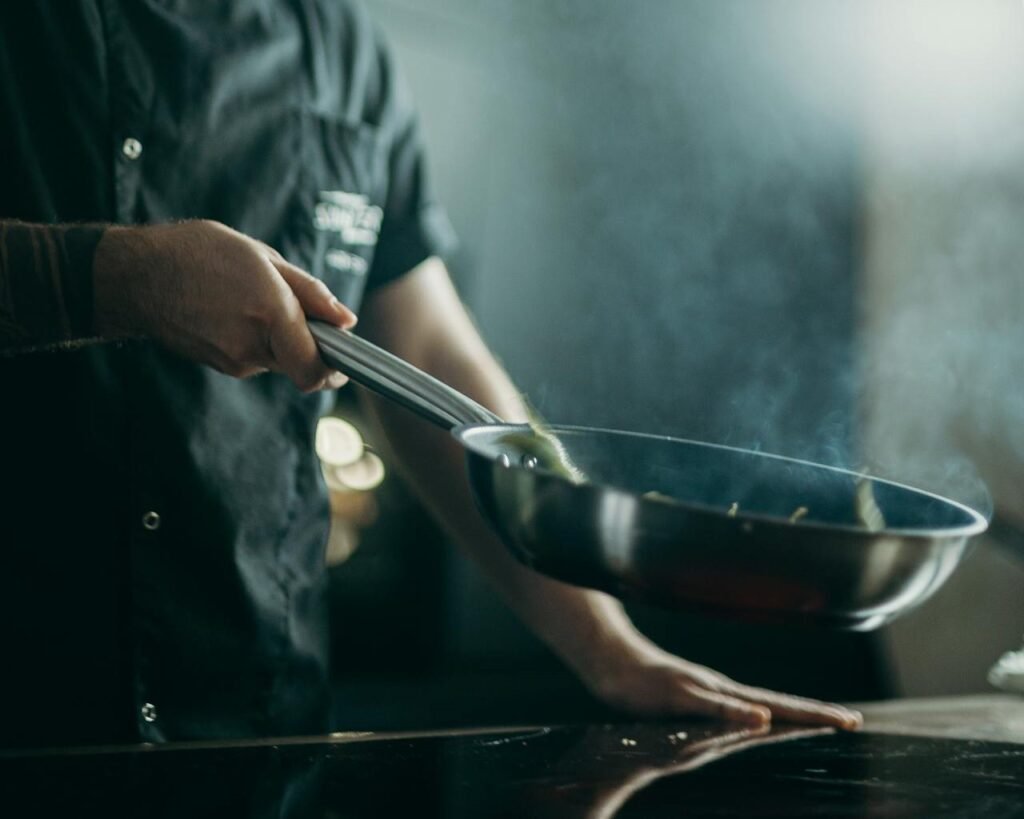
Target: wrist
[(601, 640), (122, 266)]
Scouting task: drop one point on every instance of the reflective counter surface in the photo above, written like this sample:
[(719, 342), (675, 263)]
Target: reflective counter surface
[(689, 769)]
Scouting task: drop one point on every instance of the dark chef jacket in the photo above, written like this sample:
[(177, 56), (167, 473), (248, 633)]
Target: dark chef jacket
[(163, 526)]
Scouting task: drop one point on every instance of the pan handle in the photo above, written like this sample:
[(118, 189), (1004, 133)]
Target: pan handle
[(394, 379)]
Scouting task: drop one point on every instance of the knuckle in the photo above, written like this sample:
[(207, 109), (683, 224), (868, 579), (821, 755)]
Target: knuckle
[(209, 225), (266, 312), (684, 698), (268, 248), (286, 306), (238, 353), (277, 320), (305, 291), (728, 707)]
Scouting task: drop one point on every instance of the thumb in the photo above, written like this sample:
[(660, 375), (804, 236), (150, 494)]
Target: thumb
[(316, 299)]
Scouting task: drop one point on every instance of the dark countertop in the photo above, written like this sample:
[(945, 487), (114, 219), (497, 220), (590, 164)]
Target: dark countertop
[(995, 717), (961, 757)]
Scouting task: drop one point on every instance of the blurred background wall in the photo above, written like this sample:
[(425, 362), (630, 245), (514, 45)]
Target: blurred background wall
[(782, 224), (941, 331)]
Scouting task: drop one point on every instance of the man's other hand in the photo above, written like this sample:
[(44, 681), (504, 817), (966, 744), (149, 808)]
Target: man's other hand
[(643, 680), (217, 297)]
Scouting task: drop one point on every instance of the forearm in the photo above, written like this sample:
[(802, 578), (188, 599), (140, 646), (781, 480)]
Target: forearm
[(583, 627), (420, 319), (46, 284)]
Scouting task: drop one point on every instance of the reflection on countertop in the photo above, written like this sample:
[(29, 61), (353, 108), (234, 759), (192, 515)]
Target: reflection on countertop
[(590, 771)]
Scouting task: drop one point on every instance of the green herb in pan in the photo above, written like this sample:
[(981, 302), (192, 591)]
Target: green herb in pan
[(798, 513), (538, 441), (865, 507)]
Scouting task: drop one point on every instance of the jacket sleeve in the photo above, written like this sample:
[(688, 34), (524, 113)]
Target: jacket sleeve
[(415, 225), (46, 284)]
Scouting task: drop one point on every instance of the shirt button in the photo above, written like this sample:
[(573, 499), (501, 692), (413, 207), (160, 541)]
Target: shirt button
[(151, 521), (131, 148), (148, 712)]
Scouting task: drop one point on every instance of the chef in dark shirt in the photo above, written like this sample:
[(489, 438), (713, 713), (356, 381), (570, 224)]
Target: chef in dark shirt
[(182, 183)]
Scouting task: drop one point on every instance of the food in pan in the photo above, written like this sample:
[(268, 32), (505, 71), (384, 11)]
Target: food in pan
[(536, 447), (539, 446), (865, 507)]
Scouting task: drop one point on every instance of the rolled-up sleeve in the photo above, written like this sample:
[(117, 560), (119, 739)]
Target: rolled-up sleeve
[(46, 284), (414, 226)]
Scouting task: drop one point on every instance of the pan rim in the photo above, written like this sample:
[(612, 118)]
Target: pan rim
[(468, 435)]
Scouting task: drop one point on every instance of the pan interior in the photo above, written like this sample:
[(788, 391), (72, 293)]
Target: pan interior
[(715, 477)]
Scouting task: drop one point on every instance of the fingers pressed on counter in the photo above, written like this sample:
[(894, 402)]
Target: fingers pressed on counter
[(801, 709), (723, 706), (816, 715)]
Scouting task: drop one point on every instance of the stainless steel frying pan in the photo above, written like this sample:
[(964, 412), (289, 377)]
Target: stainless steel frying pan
[(687, 524)]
